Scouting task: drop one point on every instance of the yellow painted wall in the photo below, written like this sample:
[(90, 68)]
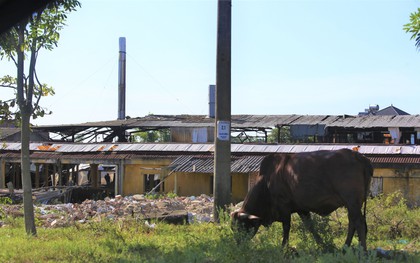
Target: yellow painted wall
[(189, 184), (407, 181), (134, 174), (133, 180), (239, 187), (194, 184)]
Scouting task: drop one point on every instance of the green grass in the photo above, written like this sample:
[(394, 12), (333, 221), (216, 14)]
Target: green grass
[(392, 226)]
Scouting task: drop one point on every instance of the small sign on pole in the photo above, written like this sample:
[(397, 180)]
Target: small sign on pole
[(223, 130)]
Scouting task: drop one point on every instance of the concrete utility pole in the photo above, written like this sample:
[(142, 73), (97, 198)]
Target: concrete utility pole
[(222, 181)]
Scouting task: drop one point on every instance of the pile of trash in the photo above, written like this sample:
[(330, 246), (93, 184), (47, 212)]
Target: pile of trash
[(193, 209)]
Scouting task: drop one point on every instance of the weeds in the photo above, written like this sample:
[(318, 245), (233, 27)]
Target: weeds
[(155, 196), (5, 201), (133, 240)]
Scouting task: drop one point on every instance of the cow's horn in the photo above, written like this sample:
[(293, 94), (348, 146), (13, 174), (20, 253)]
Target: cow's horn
[(243, 215), (253, 217), (246, 215)]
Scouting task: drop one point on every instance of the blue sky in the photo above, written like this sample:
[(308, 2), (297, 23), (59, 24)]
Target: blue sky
[(288, 57)]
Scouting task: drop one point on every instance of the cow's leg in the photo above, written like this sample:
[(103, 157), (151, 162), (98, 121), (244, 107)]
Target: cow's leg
[(361, 228), (357, 222), (309, 224), (350, 232), (286, 229)]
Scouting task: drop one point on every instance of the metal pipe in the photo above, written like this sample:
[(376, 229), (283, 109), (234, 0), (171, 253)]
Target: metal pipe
[(121, 79)]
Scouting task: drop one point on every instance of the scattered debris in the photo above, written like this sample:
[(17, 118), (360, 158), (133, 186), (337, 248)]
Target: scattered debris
[(176, 210)]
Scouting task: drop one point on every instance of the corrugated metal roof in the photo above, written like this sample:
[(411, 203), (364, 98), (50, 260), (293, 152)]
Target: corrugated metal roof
[(402, 121), (245, 157), (205, 164), (208, 148), (247, 164), (394, 159), (193, 164), (249, 121)]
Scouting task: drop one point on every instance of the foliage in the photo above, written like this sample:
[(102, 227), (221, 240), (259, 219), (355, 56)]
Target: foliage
[(152, 136), (160, 196), (40, 31), (323, 227), (390, 218), (285, 136), (5, 201), (8, 108), (133, 240), (413, 27)]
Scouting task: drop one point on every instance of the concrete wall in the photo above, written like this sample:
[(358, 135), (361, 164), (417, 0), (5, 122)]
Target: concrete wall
[(193, 184), (240, 184), (189, 184), (405, 180), (133, 182)]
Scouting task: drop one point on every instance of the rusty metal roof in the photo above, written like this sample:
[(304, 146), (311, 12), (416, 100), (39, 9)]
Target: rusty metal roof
[(183, 148), (199, 157), (394, 159)]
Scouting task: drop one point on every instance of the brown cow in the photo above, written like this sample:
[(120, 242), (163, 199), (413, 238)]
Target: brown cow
[(318, 182)]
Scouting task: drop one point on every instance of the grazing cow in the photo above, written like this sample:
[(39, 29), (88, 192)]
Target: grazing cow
[(318, 182)]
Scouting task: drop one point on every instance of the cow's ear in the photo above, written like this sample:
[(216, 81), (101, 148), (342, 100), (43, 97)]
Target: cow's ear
[(234, 214)]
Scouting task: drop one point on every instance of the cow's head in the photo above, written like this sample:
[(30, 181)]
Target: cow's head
[(244, 225)]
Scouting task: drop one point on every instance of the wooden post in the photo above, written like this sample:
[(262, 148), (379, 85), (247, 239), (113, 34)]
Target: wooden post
[(60, 173), (54, 180), (94, 174), (74, 173), (46, 180), (17, 177), (37, 175), (222, 158), (2, 174), (119, 178), (77, 174)]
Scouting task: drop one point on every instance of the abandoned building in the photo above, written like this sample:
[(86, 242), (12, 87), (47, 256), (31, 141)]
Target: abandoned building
[(108, 155)]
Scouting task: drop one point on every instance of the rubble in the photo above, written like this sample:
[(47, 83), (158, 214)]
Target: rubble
[(194, 209)]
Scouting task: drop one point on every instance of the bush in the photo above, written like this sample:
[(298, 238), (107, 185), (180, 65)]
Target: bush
[(389, 217)]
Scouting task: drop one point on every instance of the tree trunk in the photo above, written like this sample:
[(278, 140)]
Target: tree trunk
[(25, 106), (28, 207)]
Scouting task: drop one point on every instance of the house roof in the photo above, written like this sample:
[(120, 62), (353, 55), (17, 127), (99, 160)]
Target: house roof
[(391, 110), (6, 132)]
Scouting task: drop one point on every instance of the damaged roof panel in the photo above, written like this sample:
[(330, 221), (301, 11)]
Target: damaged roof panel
[(243, 122), (208, 148)]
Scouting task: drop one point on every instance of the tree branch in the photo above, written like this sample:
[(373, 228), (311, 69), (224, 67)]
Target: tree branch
[(10, 86), (40, 90)]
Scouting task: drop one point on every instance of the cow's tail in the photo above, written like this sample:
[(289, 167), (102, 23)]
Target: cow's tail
[(368, 174)]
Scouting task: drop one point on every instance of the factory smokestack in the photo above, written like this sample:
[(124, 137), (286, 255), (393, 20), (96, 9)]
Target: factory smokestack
[(121, 79)]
